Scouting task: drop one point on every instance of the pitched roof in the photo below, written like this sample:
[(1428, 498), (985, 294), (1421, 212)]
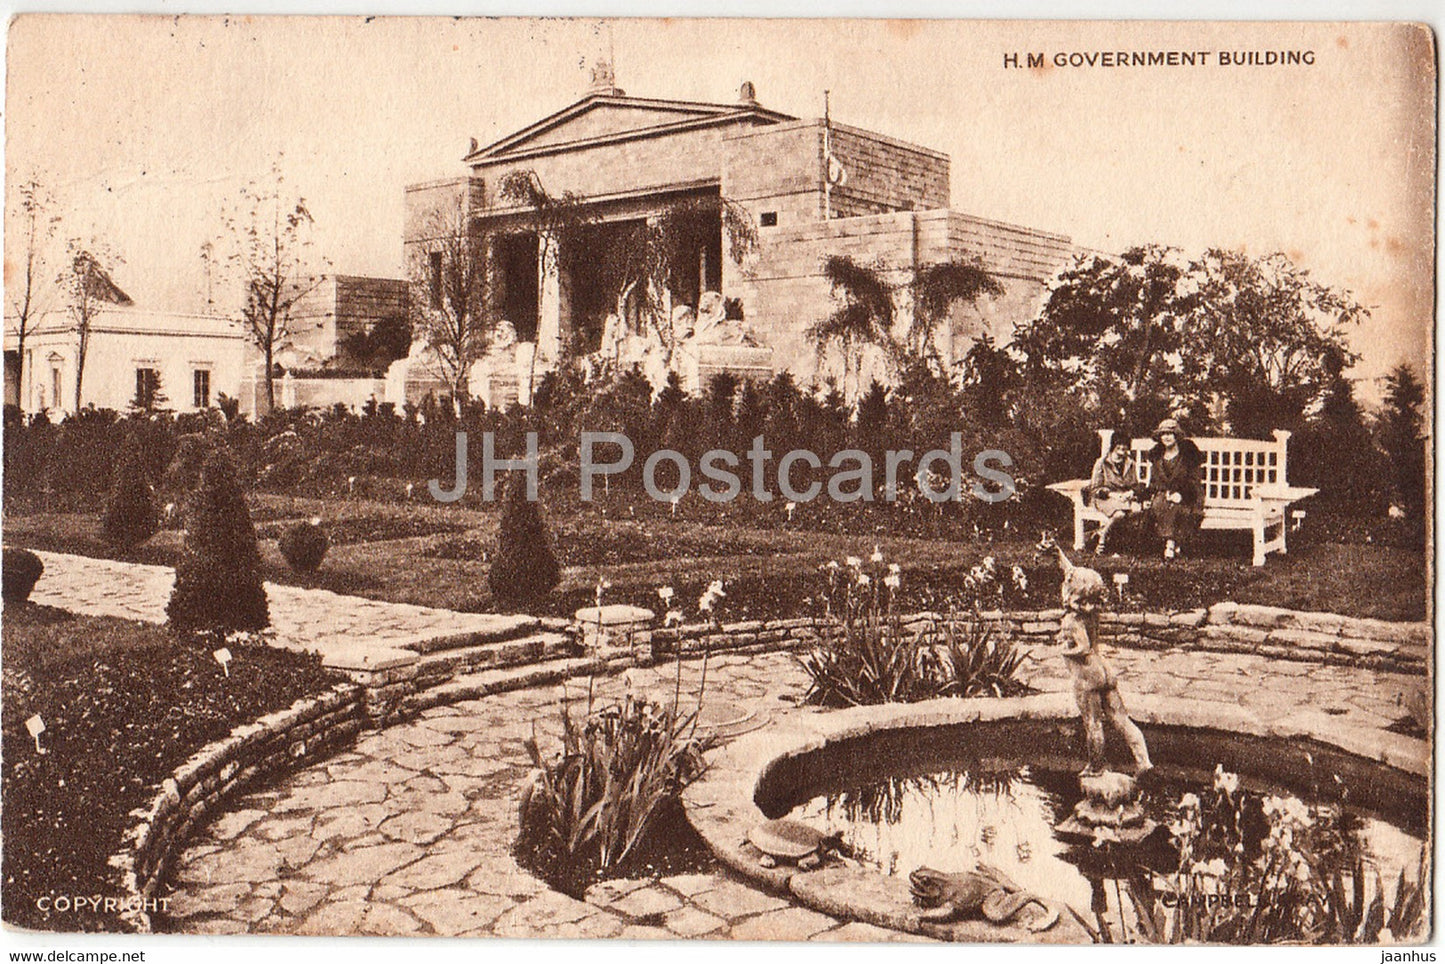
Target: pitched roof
[(605, 117)]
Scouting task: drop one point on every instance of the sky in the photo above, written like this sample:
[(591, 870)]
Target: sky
[(145, 127)]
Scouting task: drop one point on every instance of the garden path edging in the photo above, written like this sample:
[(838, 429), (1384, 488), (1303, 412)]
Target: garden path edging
[(308, 730)]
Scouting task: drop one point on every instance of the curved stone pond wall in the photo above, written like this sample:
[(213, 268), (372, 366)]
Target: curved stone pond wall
[(760, 776), (377, 696)]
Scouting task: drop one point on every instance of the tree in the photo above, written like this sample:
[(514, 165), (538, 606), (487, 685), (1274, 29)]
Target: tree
[(1151, 333), (267, 247), (218, 580), (34, 228), (525, 569), (864, 317), (88, 289), (1401, 430), (1113, 328), (449, 298), (1271, 340), (647, 259), (868, 309), (377, 347), (936, 289), (130, 515), (552, 218)]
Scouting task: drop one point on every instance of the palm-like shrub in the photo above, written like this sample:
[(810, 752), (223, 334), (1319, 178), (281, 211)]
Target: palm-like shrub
[(525, 569), (130, 514), (218, 581), (590, 808), (304, 545)]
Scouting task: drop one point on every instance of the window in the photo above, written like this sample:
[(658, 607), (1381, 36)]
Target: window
[(147, 386), (768, 219), (202, 385), (436, 279), (54, 388)]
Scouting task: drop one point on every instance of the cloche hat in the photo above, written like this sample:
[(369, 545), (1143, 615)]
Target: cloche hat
[(1169, 425)]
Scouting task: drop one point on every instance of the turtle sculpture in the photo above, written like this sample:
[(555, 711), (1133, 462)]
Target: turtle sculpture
[(984, 892), (788, 841)]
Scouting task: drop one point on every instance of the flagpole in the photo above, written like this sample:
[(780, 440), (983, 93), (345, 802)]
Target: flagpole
[(827, 158)]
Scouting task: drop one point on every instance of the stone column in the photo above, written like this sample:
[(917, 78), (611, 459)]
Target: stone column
[(491, 276), (551, 299)]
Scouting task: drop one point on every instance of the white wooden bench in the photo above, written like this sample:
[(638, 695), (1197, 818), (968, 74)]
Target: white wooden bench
[(1244, 482)]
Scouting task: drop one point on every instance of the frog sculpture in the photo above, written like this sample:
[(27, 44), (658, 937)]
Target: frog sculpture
[(985, 892)]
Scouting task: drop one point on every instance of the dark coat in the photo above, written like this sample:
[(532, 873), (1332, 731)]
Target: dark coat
[(1180, 474)]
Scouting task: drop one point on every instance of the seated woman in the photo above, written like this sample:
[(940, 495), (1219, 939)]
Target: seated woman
[(1114, 487), (1178, 499)]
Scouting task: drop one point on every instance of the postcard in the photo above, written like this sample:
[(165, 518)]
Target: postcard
[(719, 479)]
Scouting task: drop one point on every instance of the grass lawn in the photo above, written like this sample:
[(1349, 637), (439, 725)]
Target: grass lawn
[(438, 555), (123, 704)]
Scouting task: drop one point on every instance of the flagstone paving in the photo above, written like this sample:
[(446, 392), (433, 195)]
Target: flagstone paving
[(410, 831), (307, 619)]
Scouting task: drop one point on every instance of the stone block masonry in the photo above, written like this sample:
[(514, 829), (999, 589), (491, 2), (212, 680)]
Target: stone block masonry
[(1225, 628), (309, 730)]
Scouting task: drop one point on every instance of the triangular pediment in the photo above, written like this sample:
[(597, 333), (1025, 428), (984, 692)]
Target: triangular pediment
[(605, 118)]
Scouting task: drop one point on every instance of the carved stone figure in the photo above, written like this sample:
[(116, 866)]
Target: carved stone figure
[(985, 892), (790, 841), (714, 327)]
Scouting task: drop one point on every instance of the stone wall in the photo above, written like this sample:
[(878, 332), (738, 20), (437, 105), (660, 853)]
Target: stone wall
[(387, 686), (1224, 627), (363, 302), (325, 392), (776, 169), (779, 169), (310, 730), (431, 207), (787, 291), (883, 174)]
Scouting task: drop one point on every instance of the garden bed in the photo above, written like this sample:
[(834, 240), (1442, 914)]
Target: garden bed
[(123, 705), (770, 571)]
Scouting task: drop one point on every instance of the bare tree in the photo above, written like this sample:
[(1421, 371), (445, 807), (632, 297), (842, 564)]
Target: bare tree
[(449, 278), (647, 258), (88, 288), (553, 219), (268, 247), (35, 226)]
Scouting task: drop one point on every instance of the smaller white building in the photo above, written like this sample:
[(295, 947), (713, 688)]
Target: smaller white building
[(132, 353)]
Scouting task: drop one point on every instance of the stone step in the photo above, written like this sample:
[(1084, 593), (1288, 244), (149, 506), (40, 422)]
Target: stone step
[(477, 685), (529, 649), (488, 628)]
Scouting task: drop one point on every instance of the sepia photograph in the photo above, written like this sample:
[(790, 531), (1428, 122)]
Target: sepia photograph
[(840, 480)]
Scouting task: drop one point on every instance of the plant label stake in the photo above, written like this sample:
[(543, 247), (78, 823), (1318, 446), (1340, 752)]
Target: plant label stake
[(223, 656), (1121, 579), (36, 726)]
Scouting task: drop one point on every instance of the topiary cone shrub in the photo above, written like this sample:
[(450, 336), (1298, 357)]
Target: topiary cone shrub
[(130, 514), (20, 570), (218, 581), (525, 569), (304, 545)]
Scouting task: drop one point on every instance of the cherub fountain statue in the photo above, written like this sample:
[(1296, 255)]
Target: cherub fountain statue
[(1111, 809)]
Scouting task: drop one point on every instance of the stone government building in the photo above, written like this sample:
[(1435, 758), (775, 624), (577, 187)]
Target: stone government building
[(812, 188)]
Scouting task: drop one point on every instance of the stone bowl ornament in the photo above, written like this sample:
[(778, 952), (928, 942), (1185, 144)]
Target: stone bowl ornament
[(793, 842)]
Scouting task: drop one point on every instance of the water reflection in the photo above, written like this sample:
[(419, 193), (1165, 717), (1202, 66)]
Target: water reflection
[(1266, 863)]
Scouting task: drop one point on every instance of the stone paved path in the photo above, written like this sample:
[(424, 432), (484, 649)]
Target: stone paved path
[(409, 833), (309, 619)]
